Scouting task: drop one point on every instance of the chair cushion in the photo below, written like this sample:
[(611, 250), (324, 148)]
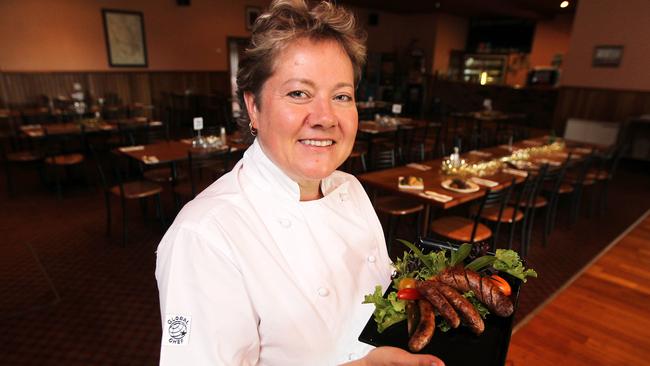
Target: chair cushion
[(459, 229), (66, 159), (492, 214), (397, 205), (540, 201), (137, 189), (23, 156)]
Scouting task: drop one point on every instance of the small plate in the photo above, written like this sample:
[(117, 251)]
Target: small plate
[(471, 186)]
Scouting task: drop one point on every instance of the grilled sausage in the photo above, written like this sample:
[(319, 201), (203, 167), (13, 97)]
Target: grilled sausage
[(465, 309), (485, 290), (425, 328), (444, 308)]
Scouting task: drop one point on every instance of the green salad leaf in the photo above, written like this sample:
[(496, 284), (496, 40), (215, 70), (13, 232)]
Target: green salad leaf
[(482, 309), (508, 261), (388, 311)]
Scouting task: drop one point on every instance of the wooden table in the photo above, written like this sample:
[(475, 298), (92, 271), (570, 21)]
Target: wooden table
[(386, 180), (370, 130)]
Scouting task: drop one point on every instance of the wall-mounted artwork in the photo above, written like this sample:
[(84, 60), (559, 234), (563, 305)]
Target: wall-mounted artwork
[(252, 12), (607, 56), (125, 39)]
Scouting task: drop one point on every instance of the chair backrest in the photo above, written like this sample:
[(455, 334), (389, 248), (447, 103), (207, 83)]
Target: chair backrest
[(493, 198), (215, 161), (384, 159), (133, 132)]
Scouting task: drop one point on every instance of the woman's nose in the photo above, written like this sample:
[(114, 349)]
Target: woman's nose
[(322, 114)]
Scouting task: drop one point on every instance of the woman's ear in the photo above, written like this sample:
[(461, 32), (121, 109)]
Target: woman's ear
[(251, 108)]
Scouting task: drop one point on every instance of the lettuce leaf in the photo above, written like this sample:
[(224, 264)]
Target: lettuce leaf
[(388, 311), (508, 261)]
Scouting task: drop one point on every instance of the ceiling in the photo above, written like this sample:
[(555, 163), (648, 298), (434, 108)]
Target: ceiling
[(532, 9)]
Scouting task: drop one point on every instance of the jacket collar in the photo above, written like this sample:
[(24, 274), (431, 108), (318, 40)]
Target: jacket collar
[(269, 178)]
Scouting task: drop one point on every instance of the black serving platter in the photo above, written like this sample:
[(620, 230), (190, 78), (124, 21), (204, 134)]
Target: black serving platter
[(456, 346)]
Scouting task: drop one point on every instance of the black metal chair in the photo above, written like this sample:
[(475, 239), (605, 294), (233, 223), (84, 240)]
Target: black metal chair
[(205, 166), (126, 191)]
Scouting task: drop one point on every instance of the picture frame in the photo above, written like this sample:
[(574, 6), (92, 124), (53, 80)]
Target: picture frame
[(251, 14), (125, 38), (607, 55)]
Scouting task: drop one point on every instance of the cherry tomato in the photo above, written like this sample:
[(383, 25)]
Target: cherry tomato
[(502, 284), (406, 282), (408, 294)]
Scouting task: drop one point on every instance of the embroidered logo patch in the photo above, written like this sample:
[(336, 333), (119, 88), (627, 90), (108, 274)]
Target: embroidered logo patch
[(177, 329)]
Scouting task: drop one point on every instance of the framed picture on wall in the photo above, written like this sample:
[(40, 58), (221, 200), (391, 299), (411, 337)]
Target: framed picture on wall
[(125, 39), (252, 12), (607, 56)]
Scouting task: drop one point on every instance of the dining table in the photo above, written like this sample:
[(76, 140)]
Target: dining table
[(435, 196), (75, 128)]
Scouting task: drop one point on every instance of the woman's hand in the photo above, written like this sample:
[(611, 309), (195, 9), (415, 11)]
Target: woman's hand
[(392, 356)]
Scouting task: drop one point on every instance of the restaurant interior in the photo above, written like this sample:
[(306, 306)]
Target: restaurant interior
[(520, 124)]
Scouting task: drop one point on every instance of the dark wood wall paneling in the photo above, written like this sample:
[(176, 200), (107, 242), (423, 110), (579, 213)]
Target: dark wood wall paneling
[(22, 88), (538, 104), (599, 104)]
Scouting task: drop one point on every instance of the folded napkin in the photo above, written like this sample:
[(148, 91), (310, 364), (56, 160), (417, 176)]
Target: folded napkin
[(484, 182), (131, 148), (150, 159), (506, 147), (518, 172), (418, 166), (436, 196), (155, 123), (186, 141), (480, 153), (35, 133), (561, 155)]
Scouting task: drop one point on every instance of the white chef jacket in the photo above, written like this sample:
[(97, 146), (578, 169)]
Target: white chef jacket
[(249, 275)]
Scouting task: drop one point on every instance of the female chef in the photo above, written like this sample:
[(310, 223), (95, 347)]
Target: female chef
[(269, 265)]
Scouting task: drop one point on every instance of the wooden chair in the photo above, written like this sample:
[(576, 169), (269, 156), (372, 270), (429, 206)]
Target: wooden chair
[(62, 153), (394, 206), (126, 191), (579, 179), (604, 174), (470, 230)]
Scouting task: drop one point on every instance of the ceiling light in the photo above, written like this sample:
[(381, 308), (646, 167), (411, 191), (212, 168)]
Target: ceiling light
[(564, 4)]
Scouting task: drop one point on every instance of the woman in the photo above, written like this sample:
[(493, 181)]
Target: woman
[(270, 263)]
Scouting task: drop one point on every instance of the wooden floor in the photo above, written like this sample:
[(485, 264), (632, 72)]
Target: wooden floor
[(603, 318)]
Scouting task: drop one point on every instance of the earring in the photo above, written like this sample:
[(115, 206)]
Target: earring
[(253, 129)]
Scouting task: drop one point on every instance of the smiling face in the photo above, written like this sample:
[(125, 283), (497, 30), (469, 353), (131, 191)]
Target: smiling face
[(307, 118)]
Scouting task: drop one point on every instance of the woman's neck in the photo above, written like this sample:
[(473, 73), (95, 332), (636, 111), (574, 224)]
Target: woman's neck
[(310, 191)]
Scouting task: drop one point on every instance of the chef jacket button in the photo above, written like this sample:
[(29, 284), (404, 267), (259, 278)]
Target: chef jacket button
[(352, 356), (343, 196), (323, 292), (371, 259), (285, 222)]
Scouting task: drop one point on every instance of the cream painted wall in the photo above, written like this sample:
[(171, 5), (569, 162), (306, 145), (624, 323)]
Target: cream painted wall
[(57, 35), (610, 22)]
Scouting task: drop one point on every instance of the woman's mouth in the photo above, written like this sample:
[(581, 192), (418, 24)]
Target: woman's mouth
[(320, 143)]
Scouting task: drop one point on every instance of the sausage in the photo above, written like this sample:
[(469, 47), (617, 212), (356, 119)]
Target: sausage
[(465, 309), (484, 289), (444, 308), (425, 328)]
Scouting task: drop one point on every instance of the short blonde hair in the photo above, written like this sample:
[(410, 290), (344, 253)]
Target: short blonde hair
[(285, 22)]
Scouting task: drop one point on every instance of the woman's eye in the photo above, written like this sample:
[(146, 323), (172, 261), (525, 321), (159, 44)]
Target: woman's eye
[(343, 98), (297, 94)]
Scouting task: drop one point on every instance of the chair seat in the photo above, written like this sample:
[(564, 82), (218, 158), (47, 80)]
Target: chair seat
[(137, 189), (460, 229), (565, 188), (492, 214), (23, 156), (540, 201), (397, 205), (65, 159), (573, 180), (163, 175)]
